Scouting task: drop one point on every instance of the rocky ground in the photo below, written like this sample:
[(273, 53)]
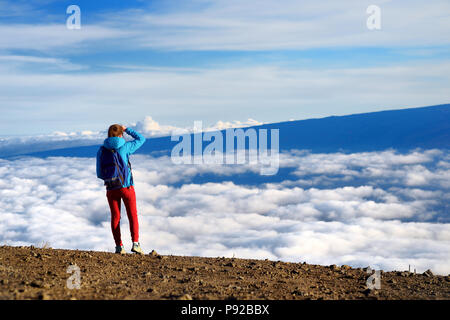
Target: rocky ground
[(42, 273)]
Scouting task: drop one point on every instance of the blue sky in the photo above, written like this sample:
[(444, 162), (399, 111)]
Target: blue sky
[(180, 61)]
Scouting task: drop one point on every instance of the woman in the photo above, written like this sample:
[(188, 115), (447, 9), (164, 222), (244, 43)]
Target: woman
[(125, 191)]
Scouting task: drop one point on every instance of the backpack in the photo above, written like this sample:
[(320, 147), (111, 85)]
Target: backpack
[(114, 171)]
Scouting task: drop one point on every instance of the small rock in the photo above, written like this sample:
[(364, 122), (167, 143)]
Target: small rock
[(346, 267), (428, 273), (154, 253), (367, 291), (333, 267), (37, 284), (43, 296), (297, 292), (367, 269), (185, 297), (403, 273)]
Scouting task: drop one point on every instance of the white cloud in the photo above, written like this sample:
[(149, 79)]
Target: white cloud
[(381, 222), (267, 25), (268, 93), (403, 169), (239, 25), (151, 128), (221, 125), (13, 145), (51, 38), (15, 61)]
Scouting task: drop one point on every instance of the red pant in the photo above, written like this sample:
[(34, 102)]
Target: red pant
[(129, 199)]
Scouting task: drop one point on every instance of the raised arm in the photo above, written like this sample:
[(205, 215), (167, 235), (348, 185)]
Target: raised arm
[(139, 139)]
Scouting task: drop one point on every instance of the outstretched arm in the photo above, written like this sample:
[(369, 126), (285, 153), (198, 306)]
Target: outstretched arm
[(138, 141)]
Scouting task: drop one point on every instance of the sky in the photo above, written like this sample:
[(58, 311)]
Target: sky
[(215, 61)]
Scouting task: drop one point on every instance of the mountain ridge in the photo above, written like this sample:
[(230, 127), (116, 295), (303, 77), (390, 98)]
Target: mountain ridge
[(401, 129)]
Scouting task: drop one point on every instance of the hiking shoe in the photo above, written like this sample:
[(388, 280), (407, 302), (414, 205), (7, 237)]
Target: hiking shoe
[(137, 248), (120, 249)]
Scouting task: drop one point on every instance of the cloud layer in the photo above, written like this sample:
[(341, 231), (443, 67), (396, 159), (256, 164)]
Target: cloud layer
[(382, 209)]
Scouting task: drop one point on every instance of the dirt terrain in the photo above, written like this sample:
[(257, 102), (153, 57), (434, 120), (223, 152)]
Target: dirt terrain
[(41, 273)]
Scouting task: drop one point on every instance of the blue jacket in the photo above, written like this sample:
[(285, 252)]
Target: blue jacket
[(124, 148)]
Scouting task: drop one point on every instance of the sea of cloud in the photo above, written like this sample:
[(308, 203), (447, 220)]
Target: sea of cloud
[(383, 209)]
